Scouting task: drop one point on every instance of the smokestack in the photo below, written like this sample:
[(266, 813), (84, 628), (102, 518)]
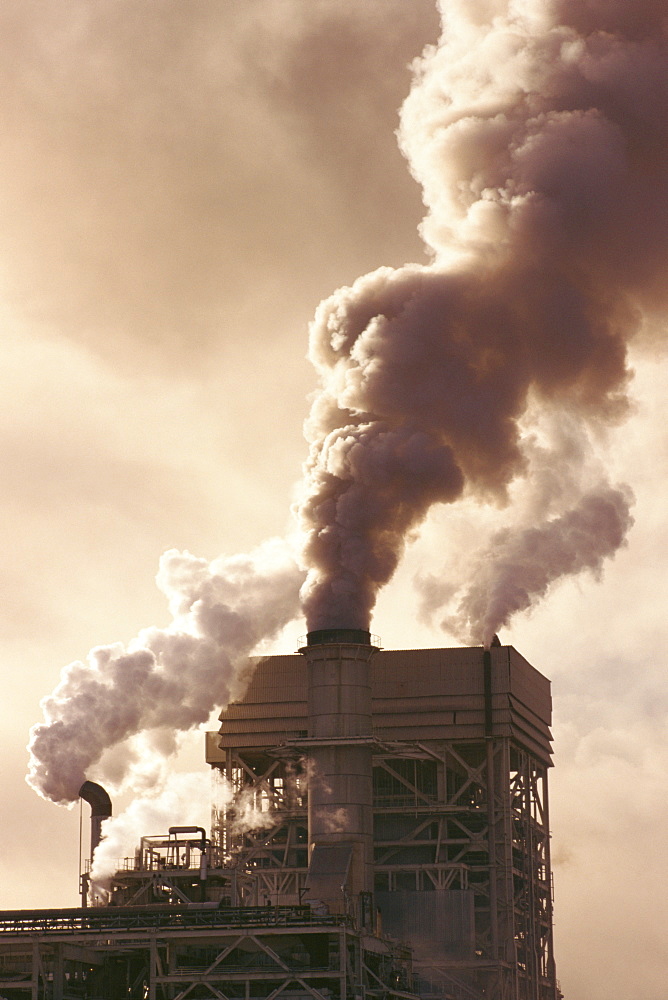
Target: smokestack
[(340, 801), (100, 809), (325, 635)]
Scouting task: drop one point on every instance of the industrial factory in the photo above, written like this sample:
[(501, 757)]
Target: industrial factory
[(384, 833)]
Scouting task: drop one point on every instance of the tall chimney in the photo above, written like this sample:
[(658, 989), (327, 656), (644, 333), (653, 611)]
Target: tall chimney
[(100, 809), (340, 800)]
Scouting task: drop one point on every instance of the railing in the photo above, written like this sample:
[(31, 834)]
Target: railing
[(160, 864), (374, 640), (421, 800), (119, 918)]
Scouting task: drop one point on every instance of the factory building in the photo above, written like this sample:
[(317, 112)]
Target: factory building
[(382, 831)]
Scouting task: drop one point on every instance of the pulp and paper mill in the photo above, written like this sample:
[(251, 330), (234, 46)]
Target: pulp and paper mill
[(387, 837)]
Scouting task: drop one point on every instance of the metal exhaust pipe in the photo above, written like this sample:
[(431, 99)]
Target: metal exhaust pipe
[(100, 809), (340, 752)]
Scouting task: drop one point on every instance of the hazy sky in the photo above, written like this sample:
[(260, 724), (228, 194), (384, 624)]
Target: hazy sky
[(180, 185)]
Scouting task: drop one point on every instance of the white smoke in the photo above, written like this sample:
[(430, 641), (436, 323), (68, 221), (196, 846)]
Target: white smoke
[(333, 821), (183, 801), (165, 680), (519, 566), (244, 810), (564, 518)]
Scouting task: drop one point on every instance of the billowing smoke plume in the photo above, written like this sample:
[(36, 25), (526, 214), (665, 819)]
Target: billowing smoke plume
[(166, 679), (562, 518), (538, 130), (519, 565)]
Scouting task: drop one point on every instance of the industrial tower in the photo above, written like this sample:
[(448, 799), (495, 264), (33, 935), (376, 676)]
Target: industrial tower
[(382, 832), (428, 768)]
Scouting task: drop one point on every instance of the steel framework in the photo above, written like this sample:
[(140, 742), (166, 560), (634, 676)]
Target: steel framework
[(174, 954), (461, 823), (469, 817), (446, 896)]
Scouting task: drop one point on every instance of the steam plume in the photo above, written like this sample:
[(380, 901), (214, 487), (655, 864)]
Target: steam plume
[(520, 565), (563, 517), (538, 130), (184, 800), (166, 679)]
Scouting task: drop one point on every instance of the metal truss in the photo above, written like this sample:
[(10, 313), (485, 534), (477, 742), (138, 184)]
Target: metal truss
[(264, 827), (466, 815), (475, 816), (257, 956)]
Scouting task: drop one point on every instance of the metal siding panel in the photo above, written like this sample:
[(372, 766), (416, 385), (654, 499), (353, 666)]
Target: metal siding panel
[(530, 686), (239, 713), (450, 681)]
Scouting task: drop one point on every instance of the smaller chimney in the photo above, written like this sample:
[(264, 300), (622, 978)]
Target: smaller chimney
[(100, 809)]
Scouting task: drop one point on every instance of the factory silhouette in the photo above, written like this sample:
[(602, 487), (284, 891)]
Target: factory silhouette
[(385, 828), (384, 833)]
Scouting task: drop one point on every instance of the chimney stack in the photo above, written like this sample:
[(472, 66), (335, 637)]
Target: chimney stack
[(340, 801), (100, 809)]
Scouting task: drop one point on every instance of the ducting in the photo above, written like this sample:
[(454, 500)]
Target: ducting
[(100, 809)]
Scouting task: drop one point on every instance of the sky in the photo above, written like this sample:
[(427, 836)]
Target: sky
[(180, 186)]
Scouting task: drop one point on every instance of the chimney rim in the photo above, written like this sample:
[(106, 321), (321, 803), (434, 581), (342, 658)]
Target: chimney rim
[(337, 637)]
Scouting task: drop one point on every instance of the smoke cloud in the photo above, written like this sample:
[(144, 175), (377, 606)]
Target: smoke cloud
[(519, 566), (538, 132), (563, 517), (166, 679)]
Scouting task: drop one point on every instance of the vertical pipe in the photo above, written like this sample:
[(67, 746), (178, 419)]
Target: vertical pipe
[(551, 965), (532, 909), (100, 809), (340, 801), (170, 989), (491, 803), (35, 970), (491, 839), (343, 962), (487, 682), (58, 981), (152, 967)]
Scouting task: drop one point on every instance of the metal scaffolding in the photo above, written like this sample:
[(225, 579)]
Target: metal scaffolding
[(382, 831), (173, 953), (468, 820), (461, 837)]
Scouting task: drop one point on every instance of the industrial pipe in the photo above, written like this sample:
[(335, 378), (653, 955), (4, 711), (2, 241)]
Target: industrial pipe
[(340, 797), (100, 809)]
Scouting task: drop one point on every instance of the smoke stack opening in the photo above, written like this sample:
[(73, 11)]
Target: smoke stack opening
[(323, 636), (97, 798)]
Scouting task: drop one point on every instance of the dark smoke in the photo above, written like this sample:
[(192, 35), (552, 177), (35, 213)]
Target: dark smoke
[(539, 133)]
